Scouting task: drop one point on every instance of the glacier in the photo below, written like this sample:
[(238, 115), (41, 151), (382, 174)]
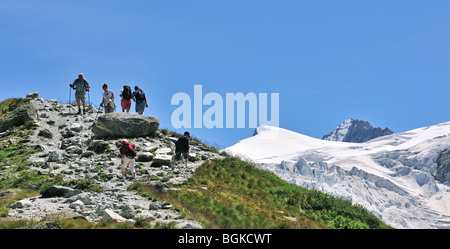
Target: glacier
[(393, 176)]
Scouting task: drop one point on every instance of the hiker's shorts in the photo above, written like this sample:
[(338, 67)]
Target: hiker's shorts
[(125, 163), (140, 106), (80, 96), (178, 155), (109, 109), (126, 104)]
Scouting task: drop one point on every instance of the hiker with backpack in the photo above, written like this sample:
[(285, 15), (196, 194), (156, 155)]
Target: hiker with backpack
[(108, 99), (140, 99), (81, 86), (128, 153), (126, 96), (182, 147)]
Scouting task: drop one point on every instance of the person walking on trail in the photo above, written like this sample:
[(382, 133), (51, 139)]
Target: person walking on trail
[(182, 147), (81, 86), (108, 99), (128, 153), (140, 99), (126, 96)]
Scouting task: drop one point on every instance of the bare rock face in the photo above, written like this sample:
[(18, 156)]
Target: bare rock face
[(120, 124), (356, 131), (443, 166)]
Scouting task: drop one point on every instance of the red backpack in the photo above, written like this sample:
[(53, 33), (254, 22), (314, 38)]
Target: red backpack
[(128, 149)]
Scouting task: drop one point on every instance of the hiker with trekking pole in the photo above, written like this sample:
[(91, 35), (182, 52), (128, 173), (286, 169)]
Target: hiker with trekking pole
[(81, 86)]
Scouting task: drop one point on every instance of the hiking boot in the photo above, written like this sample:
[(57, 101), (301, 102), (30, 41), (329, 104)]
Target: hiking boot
[(84, 111), (79, 111)]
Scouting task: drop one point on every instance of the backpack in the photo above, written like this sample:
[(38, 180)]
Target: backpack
[(126, 94), (86, 86), (182, 144), (85, 83), (140, 95), (128, 149)]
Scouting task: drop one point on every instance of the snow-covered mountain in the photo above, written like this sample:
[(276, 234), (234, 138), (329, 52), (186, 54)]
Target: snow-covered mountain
[(402, 178), (356, 131)]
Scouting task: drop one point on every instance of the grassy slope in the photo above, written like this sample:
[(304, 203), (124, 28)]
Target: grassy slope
[(239, 195)]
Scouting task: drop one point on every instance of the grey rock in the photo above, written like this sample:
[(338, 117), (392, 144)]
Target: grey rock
[(21, 204), (60, 191), (54, 157), (91, 175), (163, 150), (45, 225), (109, 214), (45, 133), (76, 127), (128, 212), (161, 159), (87, 154), (98, 146), (188, 225), (120, 124), (155, 205), (19, 116), (144, 157), (76, 204), (34, 95), (177, 181)]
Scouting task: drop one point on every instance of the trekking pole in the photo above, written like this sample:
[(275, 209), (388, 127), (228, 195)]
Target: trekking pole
[(70, 95), (96, 117)]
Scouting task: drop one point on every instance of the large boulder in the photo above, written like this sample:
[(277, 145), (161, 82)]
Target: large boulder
[(19, 116), (60, 191), (120, 124), (161, 159)]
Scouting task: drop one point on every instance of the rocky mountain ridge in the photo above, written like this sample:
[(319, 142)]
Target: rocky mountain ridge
[(356, 131), (68, 147)]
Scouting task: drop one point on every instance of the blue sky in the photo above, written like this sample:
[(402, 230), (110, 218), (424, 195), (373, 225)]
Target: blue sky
[(386, 62)]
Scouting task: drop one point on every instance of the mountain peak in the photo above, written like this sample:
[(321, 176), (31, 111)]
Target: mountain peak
[(356, 131)]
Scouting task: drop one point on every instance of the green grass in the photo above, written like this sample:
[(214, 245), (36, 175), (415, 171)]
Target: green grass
[(241, 196), (16, 195)]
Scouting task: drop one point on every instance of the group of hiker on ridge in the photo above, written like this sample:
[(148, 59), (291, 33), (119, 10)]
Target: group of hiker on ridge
[(127, 150), (81, 86)]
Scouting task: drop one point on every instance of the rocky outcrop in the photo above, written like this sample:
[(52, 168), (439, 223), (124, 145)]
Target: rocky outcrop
[(120, 124), (73, 152), (356, 131), (443, 166), (60, 191), (23, 113)]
